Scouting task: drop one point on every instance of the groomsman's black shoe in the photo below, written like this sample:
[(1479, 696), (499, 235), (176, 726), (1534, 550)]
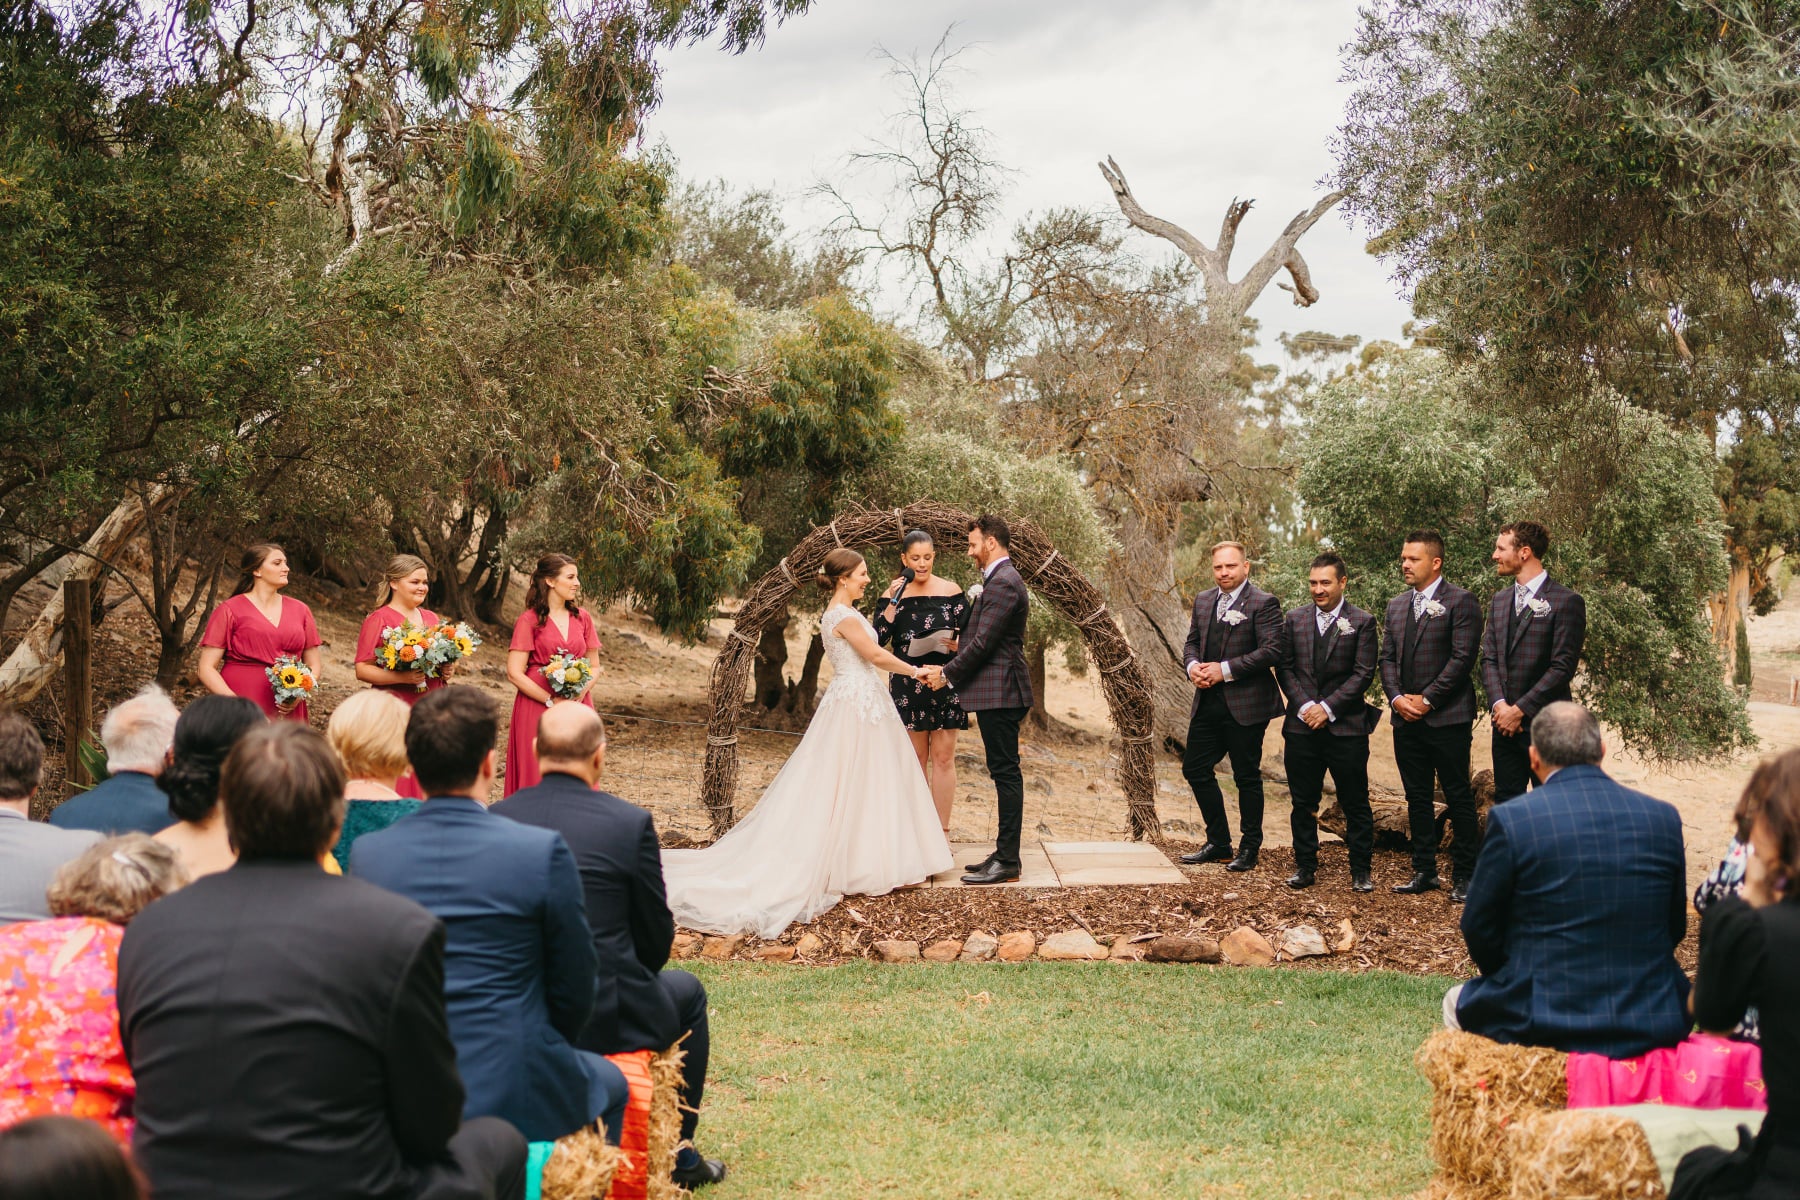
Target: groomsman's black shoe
[(1420, 883), (1245, 861), (979, 866), (699, 1174), (1211, 852), (1302, 878), (1360, 882), (1459, 892), (994, 872)]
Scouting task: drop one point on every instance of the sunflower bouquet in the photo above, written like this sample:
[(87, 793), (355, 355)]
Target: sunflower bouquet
[(292, 679), (568, 674), (425, 649)]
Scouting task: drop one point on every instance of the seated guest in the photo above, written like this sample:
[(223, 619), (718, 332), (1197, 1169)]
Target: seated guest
[(1727, 879), (1750, 956), (60, 1158), (1578, 902), (204, 735), (30, 851), (136, 735), (287, 1028), (368, 731), (640, 1006), (519, 975), (59, 1046)]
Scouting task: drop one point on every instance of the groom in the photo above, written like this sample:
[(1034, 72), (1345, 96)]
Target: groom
[(993, 682)]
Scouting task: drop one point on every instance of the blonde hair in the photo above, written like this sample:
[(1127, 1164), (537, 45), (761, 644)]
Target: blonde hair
[(1243, 553), (398, 568), (116, 879), (368, 731)]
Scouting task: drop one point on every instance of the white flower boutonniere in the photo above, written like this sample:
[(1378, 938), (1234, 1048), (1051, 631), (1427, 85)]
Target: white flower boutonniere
[(1434, 609), (975, 591), (1343, 625), (1539, 608), (1234, 617)]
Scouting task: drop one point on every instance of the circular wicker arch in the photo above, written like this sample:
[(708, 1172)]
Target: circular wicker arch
[(1045, 571)]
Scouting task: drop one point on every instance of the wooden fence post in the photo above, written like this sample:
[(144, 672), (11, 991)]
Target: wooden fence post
[(78, 664)]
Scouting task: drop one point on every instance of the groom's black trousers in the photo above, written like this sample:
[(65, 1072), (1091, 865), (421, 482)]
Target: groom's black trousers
[(1000, 738)]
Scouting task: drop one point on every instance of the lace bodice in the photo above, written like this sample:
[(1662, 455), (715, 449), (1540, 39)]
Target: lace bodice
[(853, 681)]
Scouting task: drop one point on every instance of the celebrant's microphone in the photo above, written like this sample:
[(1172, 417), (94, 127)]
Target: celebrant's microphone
[(906, 577)]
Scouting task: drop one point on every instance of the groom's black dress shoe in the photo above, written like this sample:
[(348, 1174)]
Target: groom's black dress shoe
[(1422, 882), (993, 872), (1459, 891), (1301, 879), (979, 866), (700, 1173), (1211, 852), (1360, 882), (1245, 861)]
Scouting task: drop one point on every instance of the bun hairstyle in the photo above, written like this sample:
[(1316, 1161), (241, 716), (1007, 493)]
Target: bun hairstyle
[(204, 735), (838, 564), (917, 537), (398, 568), (255, 555), (537, 596)]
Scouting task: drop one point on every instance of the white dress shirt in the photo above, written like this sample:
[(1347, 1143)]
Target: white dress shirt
[(1323, 622)]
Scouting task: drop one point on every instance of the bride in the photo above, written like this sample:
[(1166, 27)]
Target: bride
[(849, 813)]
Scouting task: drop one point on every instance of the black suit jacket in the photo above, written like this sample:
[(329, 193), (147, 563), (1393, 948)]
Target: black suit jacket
[(1252, 647), (287, 1032), (1444, 648), (1349, 666), (1529, 660), (620, 861), (989, 669)]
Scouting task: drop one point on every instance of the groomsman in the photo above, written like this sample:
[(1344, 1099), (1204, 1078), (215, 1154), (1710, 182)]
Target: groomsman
[(1328, 651), (1233, 643), (1529, 652), (1427, 658)]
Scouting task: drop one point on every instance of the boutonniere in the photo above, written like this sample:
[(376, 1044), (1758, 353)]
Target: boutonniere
[(975, 591), (1234, 617), (1539, 608), (1434, 609), (1343, 625)]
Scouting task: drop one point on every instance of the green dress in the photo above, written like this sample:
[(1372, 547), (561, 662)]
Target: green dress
[(366, 816)]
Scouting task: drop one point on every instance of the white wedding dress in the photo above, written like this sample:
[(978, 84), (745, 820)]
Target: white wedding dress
[(849, 814)]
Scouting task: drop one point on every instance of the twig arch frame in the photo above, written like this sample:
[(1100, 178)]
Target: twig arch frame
[(1045, 571)]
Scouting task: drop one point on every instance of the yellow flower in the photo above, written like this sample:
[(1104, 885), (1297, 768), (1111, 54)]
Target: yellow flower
[(290, 678)]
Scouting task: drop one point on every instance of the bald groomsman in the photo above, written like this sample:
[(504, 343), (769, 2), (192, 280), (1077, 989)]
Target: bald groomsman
[(1529, 652)]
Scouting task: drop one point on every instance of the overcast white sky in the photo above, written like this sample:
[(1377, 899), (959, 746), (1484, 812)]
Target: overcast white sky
[(1199, 100)]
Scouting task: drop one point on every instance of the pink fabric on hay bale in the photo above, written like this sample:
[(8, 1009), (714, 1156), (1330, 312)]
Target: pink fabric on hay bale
[(1703, 1072)]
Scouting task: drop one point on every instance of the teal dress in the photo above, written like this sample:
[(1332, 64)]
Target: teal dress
[(366, 816)]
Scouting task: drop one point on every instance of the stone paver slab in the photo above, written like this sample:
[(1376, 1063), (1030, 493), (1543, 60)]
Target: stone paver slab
[(1119, 876)]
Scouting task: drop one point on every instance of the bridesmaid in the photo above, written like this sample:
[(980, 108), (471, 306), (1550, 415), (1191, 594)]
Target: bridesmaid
[(929, 607), (551, 624), (246, 634), (404, 586)]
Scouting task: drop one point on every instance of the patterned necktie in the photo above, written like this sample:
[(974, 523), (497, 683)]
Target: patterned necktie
[(1324, 623), (1418, 604), (1224, 606), (1520, 598)]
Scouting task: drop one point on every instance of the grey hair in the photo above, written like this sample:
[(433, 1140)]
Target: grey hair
[(1564, 734), (138, 732)]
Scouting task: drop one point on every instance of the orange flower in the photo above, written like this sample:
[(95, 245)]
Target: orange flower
[(306, 682), (408, 653)]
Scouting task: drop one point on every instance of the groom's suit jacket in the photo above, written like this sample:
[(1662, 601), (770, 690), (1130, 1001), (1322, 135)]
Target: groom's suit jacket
[(1528, 660), (1252, 647), (1334, 670), (989, 669), (1433, 656)]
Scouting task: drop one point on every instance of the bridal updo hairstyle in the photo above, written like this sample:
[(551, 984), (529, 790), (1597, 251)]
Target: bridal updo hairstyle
[(398, 568), (838, 564), (537, 596), (204, 735)]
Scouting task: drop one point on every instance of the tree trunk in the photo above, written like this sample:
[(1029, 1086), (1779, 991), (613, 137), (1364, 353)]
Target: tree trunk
[(1728, 610), (803, 697), (769, 683), (1034, 665)]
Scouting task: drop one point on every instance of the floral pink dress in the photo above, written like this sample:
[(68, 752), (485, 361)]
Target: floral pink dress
[(59, 1024), (252, 645), (374, 626), (542, 643)]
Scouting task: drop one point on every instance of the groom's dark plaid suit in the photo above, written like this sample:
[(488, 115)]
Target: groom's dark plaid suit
[(1529, 659), (993, 682)]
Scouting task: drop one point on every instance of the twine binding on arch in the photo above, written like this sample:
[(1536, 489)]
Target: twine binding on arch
[(790, 575), (1045, 565), (721, 741)]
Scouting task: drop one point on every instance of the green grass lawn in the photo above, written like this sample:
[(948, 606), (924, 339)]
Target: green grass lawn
[(1065, 1080)]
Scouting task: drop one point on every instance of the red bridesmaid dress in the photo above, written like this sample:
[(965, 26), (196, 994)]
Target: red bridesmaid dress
[(374, 626), (252, 645), (543, 643)]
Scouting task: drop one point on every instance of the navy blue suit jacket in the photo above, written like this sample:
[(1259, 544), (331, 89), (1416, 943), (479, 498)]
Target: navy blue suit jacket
[(620, 860), (518, 960), (129, 802), (1578, 902)]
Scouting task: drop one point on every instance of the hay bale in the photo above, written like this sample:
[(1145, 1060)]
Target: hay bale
[(581, 1167), (1581, 1154), (1480, 1088), (666, 1107)]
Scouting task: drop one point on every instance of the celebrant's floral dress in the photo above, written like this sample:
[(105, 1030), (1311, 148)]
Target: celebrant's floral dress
[(921, 708)]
